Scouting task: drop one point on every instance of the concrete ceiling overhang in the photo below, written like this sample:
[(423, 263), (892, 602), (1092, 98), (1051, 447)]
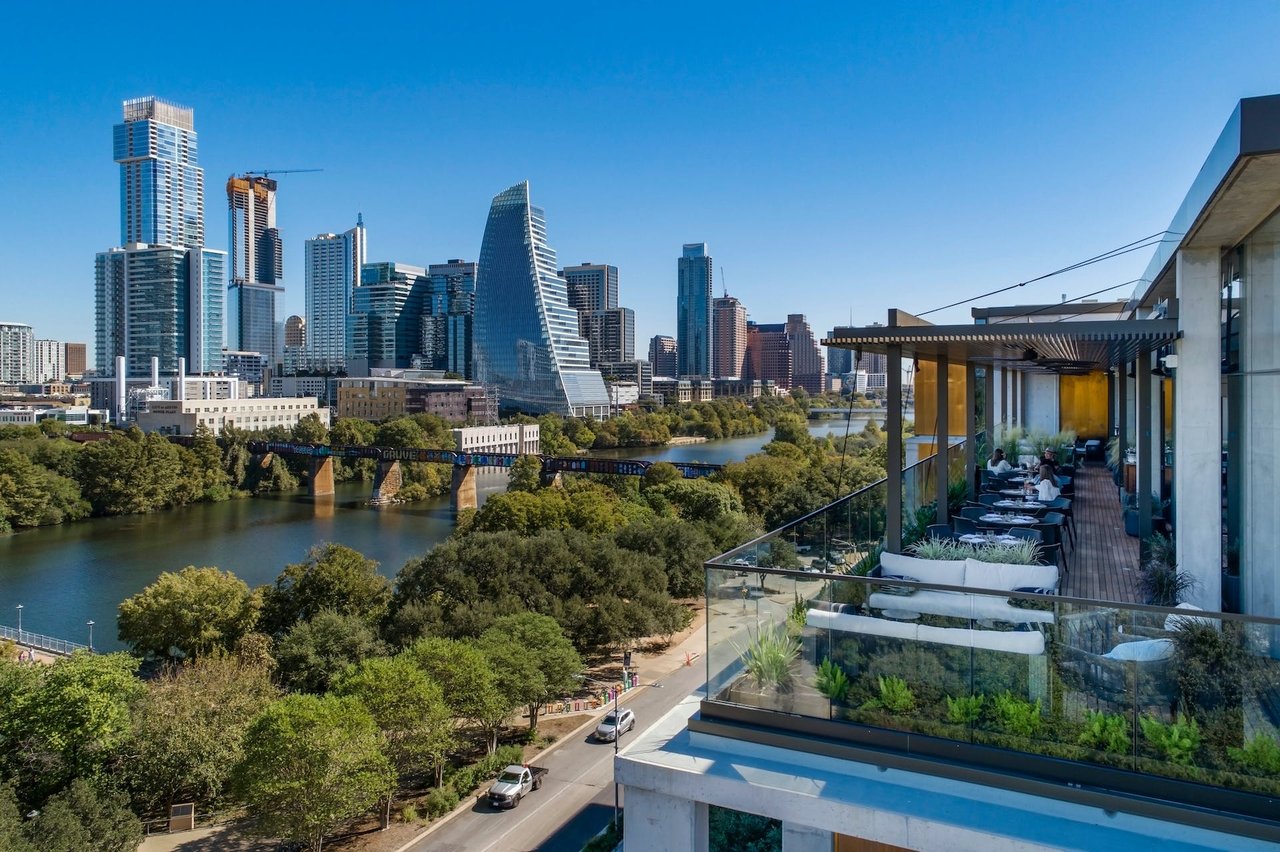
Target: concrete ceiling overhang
[(1061, 347), (1237, 189)]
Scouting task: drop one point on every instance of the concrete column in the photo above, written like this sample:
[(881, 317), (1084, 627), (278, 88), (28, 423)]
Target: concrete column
[(970, 428), (1122, 411), (320, 484), (893, 425), (1197, 424), (941, 437), (387, 481), (989, 407), (657, 822), (463, 489), (1143, 380), (804, 838)]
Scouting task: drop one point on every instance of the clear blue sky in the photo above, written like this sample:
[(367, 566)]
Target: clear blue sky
[(838, 159)]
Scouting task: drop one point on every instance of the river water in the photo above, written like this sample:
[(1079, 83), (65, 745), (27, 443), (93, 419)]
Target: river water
[(67, 575)]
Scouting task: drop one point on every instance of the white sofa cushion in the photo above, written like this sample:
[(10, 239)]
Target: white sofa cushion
[(943, 572), (1179, 622), (1029, 642), (1005, 576), (1142, 651), (961, 605)]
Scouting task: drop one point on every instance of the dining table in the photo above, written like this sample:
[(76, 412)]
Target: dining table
[(1007, 519), (1022, 505), (1013, 492), (989, 539)]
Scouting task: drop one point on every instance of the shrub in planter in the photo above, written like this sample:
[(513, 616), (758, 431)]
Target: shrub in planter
[(1159, 579), (1176, 741), (965, 710), (439, 802), (895, 696), (1261, 756), (1212, 665), (1107, 732), (832, 681), (769, 656), (1016, 715)]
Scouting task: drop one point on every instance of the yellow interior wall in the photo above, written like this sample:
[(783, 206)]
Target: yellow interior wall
[(1166, 388), (1082, 404), (926, 382)]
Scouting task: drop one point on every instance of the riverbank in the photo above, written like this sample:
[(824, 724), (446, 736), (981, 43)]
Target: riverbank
[(684, 440)]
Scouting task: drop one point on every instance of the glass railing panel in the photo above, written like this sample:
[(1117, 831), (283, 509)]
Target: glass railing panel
[(1170, 694)]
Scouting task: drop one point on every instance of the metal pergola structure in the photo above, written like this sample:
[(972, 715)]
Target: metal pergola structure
[(1062, 348)]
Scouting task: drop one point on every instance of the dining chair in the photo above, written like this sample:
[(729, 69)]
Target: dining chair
[(1050, 529), (1028, 534), (963, 526), (1063, 505), (939, 532), (973, 513), (990, 499)]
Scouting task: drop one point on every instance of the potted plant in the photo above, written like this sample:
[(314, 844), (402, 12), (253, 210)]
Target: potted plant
[(767, 661)]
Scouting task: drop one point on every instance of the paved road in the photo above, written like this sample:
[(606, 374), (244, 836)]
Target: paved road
[(576, 799)]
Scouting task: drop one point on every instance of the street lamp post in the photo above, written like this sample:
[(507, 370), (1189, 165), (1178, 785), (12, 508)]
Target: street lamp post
[(90, 623), (19, 608), (617, 735)]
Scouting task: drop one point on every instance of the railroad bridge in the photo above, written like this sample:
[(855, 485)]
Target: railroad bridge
[(463, 490)]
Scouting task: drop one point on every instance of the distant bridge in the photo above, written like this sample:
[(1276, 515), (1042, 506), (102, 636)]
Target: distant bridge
[(387, 483)]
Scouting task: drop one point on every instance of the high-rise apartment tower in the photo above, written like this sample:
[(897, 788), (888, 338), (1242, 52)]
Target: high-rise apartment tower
[(729, 334), (332, 271), (693, 311), (161, 183)]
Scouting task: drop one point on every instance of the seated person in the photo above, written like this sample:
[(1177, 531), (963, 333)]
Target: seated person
[(998, 463), (1047, 487), (1049, 457)]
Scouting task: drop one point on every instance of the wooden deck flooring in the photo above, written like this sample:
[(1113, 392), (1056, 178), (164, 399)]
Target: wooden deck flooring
[(1104, 564)]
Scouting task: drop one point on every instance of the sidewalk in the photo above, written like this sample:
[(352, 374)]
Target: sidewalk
[(649, 668)]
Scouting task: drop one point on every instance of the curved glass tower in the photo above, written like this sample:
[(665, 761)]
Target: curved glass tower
[(526, 337)]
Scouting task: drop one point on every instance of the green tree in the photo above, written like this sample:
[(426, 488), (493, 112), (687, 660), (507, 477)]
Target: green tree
[(409, 708), (188, 727), (87, 816), (468, 683), (683, 548), (131, 473), (311, 764), (525, 475), (190, 612), (533, 660), (310, 430), (206, 468), (401, 432), (12, 834), (34, 495), (312, 653), (332, 577), (659, 473), (79, 714)]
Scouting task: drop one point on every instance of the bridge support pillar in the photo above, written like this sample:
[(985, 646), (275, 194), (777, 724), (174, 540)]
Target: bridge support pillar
[(463, 489), (387, 482), (321, 482)]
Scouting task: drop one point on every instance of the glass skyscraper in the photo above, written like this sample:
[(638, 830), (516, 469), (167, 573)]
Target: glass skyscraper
[(162, 293), (333, 263), (447, 318), (693, 311), (527, 344), (161, 185), (386, 314)]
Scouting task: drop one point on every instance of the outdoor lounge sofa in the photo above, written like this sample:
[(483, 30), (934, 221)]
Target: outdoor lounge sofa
[(969, 573), (1029, 642)]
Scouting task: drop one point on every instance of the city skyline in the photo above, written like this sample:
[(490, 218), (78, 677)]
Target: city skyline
[(908, 133)]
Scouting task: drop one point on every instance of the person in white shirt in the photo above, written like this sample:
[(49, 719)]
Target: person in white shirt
[(1047, 487), (998, 464)]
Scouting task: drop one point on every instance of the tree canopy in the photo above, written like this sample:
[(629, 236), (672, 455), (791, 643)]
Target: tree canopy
[(189, 612), (332, 577)]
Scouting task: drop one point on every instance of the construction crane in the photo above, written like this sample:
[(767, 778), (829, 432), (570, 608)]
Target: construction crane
[(269, 172)]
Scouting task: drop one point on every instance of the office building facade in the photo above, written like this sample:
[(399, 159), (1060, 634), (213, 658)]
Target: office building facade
[(527, 343), (77, 360), (384, 329), (332, 273), (693, 311), (592, 286), (255, 251), (446, 329), (729, 335), (17, 353), (806, 356), (663, 355), (611, 335), (768, 355)]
